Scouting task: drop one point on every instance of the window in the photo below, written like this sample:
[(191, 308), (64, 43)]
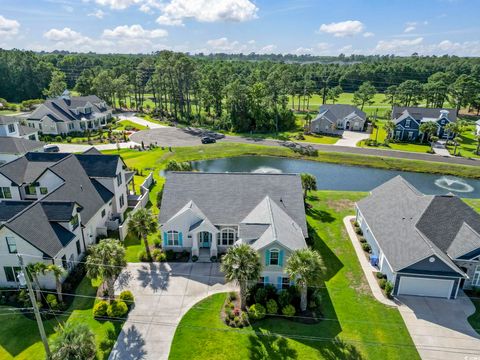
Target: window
[(12, 245), (410, 135), (74, 222), (407, 123), (64, 262), (11, 128), (103, 213), (71, 126), (79, 248), (43, 190), (71, 262), (274, 257), (11, 273), (40, 126), (227, 237), (397, 134), (122, 201), (5, 193), (285, 283), (172, 238), (31, 190), (119, 179), (476, 277)]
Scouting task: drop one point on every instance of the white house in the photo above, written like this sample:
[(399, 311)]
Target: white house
[(477, 127), (67, 114), (206, 213), (11, 126), (12, 148)]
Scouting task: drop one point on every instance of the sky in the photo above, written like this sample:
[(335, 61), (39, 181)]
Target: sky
[(317, 27)]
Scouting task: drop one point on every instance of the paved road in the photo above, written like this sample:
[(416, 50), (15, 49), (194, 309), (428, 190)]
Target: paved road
[(170, 136), (163, 294)]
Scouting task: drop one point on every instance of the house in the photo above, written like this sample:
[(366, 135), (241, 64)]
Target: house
[(207, 213), (408, 120), (334, 117), (12, 126), (12, 148), (426, 245), (67, 114), (54, 205)]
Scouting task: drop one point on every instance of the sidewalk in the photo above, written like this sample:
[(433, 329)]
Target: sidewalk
[(368, 269)]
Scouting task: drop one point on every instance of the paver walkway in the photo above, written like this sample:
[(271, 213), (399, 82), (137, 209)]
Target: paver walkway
[(163, 292)]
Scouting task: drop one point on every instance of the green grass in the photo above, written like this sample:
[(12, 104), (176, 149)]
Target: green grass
[(124, 123), (474, 203), (19, 338), (468, 145), (356, 317)]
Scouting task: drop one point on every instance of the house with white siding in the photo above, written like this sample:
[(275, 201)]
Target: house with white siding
[(207, 213)]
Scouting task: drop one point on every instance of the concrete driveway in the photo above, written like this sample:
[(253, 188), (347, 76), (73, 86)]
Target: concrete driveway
[(439, 327), (351, 138), (138, 120), (163, 294)]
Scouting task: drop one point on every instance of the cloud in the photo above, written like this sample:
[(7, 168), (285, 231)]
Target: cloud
[(8, 27), (368, 34), (347, 50), (133, 32), (65, 34), (267, 49), (224, 45), (303, 51), (409, 29), (99, 14), (175, 11), (397, 45), (343, 28), (118, 4)]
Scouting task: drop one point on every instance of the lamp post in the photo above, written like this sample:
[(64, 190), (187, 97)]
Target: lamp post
[(24, 279)]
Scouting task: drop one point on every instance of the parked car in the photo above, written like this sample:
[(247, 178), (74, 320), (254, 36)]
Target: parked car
[(51, 148), (208, 140)]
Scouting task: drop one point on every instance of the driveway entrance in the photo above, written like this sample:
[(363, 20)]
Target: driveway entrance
[(163, 294)]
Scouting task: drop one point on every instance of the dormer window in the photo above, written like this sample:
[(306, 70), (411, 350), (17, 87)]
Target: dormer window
[(31, 190), (274, 257)]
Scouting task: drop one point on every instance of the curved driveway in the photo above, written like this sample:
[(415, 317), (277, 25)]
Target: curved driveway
[(171, 136)]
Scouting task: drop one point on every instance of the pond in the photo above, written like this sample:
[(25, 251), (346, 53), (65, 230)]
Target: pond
[(342, 177)]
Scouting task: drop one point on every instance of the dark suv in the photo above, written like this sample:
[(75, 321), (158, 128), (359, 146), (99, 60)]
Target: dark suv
[(208, 140)]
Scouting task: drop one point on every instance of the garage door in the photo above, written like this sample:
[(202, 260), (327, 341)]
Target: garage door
[(425, 287)]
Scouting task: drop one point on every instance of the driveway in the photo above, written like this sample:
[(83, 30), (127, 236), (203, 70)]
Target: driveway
[(138, 120), (439, 327), (351, 138), (163, 294)]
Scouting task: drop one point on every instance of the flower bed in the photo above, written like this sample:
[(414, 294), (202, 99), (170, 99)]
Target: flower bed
[(232, 315)]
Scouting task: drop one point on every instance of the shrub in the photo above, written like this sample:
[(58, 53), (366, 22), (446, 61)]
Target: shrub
[(142, 256), (213, 259), (170, 254), (359, 231), (272, 307), (388, 288), (382, 283), (288, 310), (100, 309), (194, 258), (271, 291), (157, 242), (261, 296), (228, 314), (236, 312), (315, 302), (230, 305), (58, 138), (69, 139), (284, 298), (52, 301), (362, 239), (256, 311), (379, 275), (127, 297), (158, 255), (232, 295), (366, 247), (117, 309)]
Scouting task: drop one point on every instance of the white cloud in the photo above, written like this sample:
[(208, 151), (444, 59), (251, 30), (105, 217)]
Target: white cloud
[(62, 35), (343, 28), (407, 47), (409, 29), (396, 46), (347, 50), (368, 34), (323, 46), (303, 51), (175, 11), (8, 27), (118, 4), (133, 32), (268, 49), (225, 45), (99, 14)]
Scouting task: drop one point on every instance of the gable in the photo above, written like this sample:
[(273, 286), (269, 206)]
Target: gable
[(431, 265)]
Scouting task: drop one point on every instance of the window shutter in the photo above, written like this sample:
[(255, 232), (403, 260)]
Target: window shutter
[(267, 257), (266, 281), (180, 238), (280, 258), (165, 242), (279, 282)]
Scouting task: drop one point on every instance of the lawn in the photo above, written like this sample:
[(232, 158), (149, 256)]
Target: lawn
[(474, 203), (26, 344), (468, 145), (363, 325), (124, 123)]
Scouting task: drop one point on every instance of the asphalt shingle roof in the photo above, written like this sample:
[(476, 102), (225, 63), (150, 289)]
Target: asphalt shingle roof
[(419, 113), (99, 165), (13, 145), (9, 209), (339, 111), (5, 120)]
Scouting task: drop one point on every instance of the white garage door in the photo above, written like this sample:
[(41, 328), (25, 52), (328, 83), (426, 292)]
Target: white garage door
[(425, 287)]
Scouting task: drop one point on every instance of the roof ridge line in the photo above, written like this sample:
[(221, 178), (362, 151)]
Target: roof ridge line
[(272, 224)]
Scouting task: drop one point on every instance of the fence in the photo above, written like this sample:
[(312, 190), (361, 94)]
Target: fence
[(142, 202)]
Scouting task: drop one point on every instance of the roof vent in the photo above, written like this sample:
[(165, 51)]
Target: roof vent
[(444, 113), (431, 259)]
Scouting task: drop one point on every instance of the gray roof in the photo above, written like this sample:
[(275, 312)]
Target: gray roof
[(5, 120), (227, 198), (58, 210), (60, 109), (26, 130), (410, 226), (339, 111), (13, 145), (420, 113), (99, 165), (9, 209)]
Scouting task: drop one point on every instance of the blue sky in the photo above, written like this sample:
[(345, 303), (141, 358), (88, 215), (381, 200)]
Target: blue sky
[(318, 27)]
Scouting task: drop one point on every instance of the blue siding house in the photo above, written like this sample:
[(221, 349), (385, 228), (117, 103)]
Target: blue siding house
[(408, 120)]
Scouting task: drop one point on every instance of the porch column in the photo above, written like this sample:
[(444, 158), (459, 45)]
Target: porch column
[(195, 244), (213, 245)]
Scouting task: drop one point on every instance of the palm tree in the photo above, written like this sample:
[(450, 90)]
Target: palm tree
[(242, 265), (35, 270), (430, 128), (57, 272), (74, 341), (309, 183), (389, 128), (305, 266), (142, 223), (308, 121), (106, 261)]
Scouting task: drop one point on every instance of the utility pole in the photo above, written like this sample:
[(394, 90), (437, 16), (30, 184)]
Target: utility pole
[(24, 279)]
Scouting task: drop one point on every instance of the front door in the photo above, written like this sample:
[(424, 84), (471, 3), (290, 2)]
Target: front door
[(204, 239)]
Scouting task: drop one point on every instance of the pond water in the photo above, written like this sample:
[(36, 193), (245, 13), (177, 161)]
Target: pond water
[(342, 177)]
